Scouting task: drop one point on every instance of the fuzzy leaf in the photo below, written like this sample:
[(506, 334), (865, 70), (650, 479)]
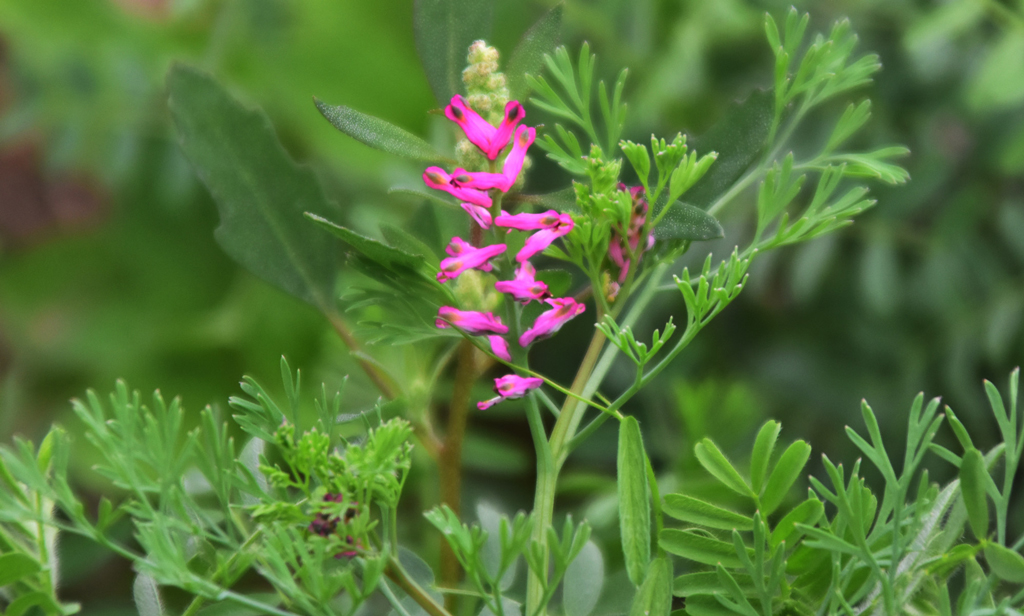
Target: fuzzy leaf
[(634, 504), (444, 31), (695, 511), (739, 138), (260, 191), (655, 595), (377, 133), (583, 582), (368, 247), (807, 512), (147, 596), (688, 222), (699, 548), (528, 56)]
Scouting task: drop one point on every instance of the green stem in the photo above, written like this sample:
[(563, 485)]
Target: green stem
[(397, 574), (547, 480)]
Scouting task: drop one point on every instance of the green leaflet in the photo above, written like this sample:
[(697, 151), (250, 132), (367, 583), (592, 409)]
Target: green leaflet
[(528, 56), (147, 596), (688, 222), (761, 455), (973, 476), (807, 512), (14, 567), (1005, 563), (444, 31), (378, 133), (583, 581), (368, 247), (634, 504), (784, 475), (260, 191), (715, 462), (695, 511), (655, 595), (699, 548)]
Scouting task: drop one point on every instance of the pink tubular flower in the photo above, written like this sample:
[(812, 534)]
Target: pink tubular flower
[(438, 179), (464, 256), (510, 387), (532, 222), (617, 247), (550, 321), (478, 214), (543, 238), (481, 180), (499, 347), (475, 323), (479, 131), (525, 286)]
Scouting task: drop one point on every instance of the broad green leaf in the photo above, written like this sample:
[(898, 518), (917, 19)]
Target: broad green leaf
[(706, 605), (973, 477), (444, 31), (583, 581), (688, 222), (807, 512), (761, 455), (261, 193), (784, 475), (528, 56), (14, 567), (378, 133), (558, 281), (739, 137), (368, 247), (699, 548), (707, 583), (654, 598), (401, 239), (712, 459), (695, 511), (147, 596), (634, 504), (1005, 563)]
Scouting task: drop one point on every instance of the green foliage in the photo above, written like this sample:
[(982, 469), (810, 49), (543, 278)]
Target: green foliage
[(260, 191), (634, 501), (444, 30), (378, 133)]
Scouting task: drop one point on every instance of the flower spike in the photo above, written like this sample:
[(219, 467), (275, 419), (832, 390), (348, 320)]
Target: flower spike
[(475, 323), (564, 309), (464, 256), (510, 387), (525, 287)]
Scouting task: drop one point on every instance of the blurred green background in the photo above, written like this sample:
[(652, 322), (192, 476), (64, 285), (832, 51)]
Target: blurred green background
[(109, 269)]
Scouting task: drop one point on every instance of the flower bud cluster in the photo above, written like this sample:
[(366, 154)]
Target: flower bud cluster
[(473, 191)]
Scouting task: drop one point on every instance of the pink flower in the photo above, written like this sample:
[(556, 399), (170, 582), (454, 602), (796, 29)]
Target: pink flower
[(474, 323), (481, 180), (479, 214), (510, 387), (499, 347), (617, 248), (479, 131), (532, 222), (543, 238), (514, 161), (550, 321), (464, 256), (525, 286), (438, 179)]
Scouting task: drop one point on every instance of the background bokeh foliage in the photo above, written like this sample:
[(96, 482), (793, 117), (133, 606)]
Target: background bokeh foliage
[(109, 268)]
